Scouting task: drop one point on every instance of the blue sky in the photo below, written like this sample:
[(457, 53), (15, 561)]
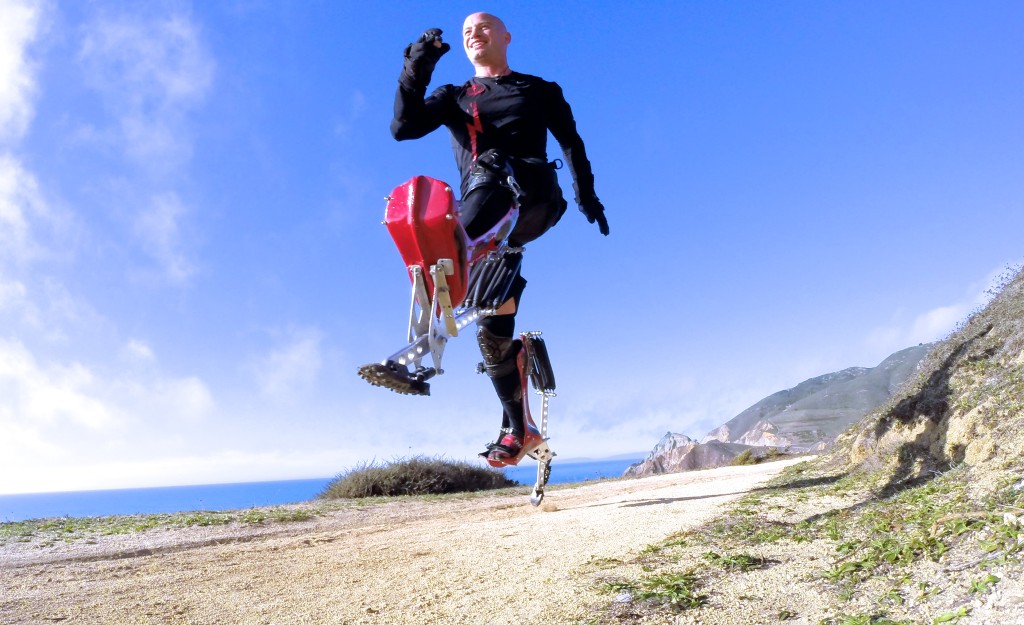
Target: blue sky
[(192, 264)]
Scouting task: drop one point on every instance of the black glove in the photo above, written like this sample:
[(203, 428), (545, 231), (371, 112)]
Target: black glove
[(594, 211), (421, 57)]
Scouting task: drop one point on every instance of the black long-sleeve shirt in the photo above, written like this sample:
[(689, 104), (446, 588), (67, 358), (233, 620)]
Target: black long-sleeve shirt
[(512, 113)]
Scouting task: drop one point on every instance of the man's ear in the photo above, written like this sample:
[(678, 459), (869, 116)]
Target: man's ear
[(508, 38)]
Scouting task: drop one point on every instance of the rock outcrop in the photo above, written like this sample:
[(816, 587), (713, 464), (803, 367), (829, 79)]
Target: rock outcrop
[(678, 452)]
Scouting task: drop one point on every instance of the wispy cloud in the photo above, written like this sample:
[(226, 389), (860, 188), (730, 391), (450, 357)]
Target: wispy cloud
[(170, 399), (44, 308), (20, 205), (56, 413), (40, 394), (20, 22), (70, 392), (150, 73), (935, 323), (291, 367), (228, 465), (136, 351), (158, 228)]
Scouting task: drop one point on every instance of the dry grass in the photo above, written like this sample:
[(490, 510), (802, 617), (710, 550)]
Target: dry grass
[(414, 476)]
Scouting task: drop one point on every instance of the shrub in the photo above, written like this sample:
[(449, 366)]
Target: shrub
[(414, 476), (745, 457)]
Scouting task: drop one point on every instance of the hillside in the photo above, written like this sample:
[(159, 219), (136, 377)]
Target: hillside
[(805, 418), (966, 408), (812, 413), (914, 516)]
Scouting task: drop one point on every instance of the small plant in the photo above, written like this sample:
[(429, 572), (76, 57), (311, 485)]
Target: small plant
[(745, 457), (984, 584), (892, 597), (833, 530), (740, 561), (257, 516), (206, 519), (952, 617), (927, 590), (604, 563), (863, 619), (673, 590)]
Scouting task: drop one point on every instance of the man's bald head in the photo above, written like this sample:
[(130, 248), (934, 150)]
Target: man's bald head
[(485, 39), (482, 16)]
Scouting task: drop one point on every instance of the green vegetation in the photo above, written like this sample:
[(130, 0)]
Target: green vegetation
[(677, 591), (863, 619), (898, 550), (414, 476), (878, 538), (745, 457), (748, 456), (67, 529), (739, 561)]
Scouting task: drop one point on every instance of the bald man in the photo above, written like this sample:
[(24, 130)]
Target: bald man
[(498, 121)]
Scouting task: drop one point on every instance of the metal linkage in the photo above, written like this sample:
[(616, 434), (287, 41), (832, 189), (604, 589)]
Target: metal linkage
[(433, 320), (542, 379)]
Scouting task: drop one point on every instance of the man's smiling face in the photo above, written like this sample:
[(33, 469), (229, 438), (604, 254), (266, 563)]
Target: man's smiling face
[(485, 39)]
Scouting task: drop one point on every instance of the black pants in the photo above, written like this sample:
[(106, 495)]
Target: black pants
[(540, 206)]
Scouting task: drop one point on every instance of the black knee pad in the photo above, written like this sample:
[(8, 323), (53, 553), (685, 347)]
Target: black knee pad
[(498, 325), (499, 352)]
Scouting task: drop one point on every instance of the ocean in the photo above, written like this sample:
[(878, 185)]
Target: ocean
[(171, 499)]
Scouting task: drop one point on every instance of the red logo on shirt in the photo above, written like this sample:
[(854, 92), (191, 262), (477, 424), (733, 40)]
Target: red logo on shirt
[(475, 129), (475, 89)]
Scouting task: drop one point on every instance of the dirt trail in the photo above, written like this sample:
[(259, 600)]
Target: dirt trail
[(492, 559)]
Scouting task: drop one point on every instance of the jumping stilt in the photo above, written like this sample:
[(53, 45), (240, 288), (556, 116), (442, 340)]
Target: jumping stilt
[(457, 281)]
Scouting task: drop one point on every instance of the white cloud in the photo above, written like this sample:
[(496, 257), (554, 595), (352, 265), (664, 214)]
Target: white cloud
[(150, 74), (20, 204), (39, 394), (223, 466), (56, 413), (157, 398), (138, 351), (290, 368), (19, 26), (44, 308), (157, 228), (934, 324), (12, 295)]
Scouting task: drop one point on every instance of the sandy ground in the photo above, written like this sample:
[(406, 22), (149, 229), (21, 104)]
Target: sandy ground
[(491, 559)]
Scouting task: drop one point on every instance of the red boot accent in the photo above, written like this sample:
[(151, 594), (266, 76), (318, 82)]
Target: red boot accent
[(505, 450)]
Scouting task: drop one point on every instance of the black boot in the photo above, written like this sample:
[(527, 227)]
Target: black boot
[(500, 354), (510, 393)]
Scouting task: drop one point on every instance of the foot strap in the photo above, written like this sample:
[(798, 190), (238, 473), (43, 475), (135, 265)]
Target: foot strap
[(503, 451)]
